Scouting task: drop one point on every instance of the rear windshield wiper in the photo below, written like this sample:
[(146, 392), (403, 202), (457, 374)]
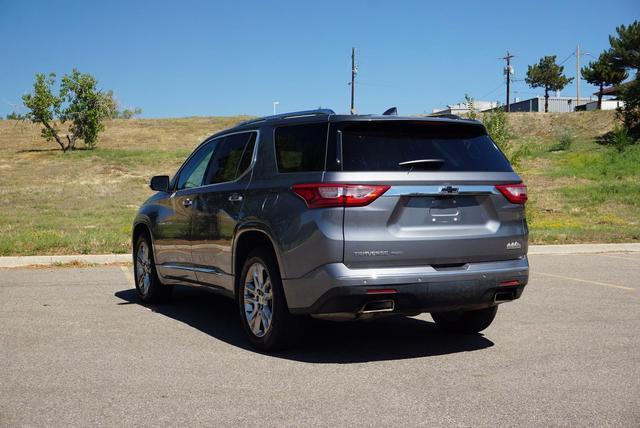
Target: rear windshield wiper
[(422, 163)]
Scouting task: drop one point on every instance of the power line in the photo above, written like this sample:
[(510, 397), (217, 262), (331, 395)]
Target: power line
[(381, 85), (567, 58), (491, 91)]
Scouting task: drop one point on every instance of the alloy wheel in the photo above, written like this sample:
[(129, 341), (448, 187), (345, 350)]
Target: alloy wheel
[(143, 268), (258, 299)]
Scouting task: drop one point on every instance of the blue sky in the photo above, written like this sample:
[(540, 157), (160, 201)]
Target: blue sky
[(198, 58)]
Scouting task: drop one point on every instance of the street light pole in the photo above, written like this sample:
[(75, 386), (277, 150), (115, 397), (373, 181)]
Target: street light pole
[(275, 103), (578, 72)]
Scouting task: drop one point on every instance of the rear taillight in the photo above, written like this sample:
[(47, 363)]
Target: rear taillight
[(323, 195), (515, 193)]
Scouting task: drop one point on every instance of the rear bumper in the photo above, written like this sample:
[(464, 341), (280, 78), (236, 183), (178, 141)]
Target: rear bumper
[(335, 288)]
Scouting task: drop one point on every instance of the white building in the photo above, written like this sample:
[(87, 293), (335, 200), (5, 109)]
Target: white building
[(463, 108), (606, 105)]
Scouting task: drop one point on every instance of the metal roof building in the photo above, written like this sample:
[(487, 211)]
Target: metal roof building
[(556, 104)]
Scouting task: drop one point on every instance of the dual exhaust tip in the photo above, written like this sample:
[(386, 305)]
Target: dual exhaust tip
[(376, 306)]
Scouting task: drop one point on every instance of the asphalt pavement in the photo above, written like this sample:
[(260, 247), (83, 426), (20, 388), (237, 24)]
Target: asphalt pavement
[(78, 349)]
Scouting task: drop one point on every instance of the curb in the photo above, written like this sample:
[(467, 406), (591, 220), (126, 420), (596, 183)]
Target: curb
[(98, 259), (103, 259), (584, 248)]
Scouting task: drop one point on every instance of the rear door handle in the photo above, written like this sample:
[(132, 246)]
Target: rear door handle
[(187, 203), (235, 197)]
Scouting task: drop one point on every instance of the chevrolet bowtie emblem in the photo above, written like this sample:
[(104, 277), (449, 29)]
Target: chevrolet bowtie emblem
[(449, 189)]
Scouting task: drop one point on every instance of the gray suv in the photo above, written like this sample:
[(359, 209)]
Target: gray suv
[(340, 217)]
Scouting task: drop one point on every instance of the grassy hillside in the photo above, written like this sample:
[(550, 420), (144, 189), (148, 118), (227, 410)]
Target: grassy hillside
[(84, 201), (587, 193)]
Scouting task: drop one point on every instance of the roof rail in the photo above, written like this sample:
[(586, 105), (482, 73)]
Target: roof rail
[(291, 115)]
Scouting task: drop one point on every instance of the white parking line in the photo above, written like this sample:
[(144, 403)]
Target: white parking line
[(621, 258), (584, 280)]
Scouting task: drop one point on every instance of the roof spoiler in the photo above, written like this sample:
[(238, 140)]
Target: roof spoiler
[(291, 115)]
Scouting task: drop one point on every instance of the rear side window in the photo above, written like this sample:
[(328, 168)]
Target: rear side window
[(231, 158), (370, 146), (247, 155), (301, 148)]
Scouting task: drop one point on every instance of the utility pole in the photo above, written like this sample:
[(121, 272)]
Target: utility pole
[(507, 72), (353, 80), (577, 75)]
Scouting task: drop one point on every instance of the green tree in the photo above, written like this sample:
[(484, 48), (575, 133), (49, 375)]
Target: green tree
[(113, 107), (15, 116), (625, 47), (44, 107), (548, 75), (602, 73), (625, 55), (78, 102), (129, 113), (86, 109)]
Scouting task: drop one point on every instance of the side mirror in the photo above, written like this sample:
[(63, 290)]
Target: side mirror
[(160, 183)]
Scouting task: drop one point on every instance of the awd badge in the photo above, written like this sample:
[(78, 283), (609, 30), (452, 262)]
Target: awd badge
[(513, 245)]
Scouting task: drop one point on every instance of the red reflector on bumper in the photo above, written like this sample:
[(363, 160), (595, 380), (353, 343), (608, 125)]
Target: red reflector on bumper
[(507, 283), (382, 291)]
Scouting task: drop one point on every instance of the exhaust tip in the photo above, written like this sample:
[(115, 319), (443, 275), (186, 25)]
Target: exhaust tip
[(378, 306), (504, 296)]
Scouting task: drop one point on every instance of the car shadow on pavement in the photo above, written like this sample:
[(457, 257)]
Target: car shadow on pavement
[(391, 338)]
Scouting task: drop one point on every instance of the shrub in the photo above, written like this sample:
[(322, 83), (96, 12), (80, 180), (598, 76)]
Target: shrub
[(497, 126), (620, 138), (565, 140), (15, 116), (473, 114)]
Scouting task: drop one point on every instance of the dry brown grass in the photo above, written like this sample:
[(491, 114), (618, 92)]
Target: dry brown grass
[(589, 124), (84, 201)]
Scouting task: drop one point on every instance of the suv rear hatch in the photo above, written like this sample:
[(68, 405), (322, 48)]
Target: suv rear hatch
[(442, 207)]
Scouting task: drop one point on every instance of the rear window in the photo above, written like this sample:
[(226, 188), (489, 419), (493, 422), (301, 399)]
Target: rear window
[(301, 148), (370, 146)]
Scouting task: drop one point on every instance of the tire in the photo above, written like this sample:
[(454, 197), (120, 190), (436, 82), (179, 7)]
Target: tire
[(263, 308), (148, 285), (465, 322)]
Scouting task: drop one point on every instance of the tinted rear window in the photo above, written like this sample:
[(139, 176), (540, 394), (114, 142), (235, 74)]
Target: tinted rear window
[(301, 147), (370, 146)]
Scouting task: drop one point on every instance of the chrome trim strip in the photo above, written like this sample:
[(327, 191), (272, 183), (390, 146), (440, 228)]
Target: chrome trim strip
[(400, 190), (201, 269), (342, 272)]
